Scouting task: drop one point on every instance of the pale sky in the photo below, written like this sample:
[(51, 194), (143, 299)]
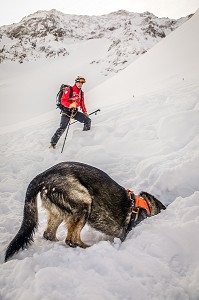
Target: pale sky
[(12, 11)]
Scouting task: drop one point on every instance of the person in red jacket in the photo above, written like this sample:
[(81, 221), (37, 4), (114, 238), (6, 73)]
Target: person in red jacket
[(70, 109)]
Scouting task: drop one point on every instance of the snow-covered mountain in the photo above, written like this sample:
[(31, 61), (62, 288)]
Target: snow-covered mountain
[(146, 137), (48, 34)]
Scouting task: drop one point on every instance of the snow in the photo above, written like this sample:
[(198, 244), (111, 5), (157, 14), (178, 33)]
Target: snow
[(146, 137)]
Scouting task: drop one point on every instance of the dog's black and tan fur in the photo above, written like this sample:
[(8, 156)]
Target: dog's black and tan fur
[(77, 193)]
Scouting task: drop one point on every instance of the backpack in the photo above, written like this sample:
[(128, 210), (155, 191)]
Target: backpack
[(60, 93)]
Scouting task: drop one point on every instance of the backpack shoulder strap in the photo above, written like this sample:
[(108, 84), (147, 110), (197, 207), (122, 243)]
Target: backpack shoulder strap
[(71, 92)]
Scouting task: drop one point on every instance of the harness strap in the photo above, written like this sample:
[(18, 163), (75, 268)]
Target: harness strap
[(70, 116), (138, 202)]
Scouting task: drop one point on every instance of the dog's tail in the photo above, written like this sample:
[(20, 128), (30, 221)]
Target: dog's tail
[(30, 220)]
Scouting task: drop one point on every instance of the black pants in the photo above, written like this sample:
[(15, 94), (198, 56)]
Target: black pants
[(65, 118)]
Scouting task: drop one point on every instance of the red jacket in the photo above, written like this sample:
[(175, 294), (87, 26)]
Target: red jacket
[(76, 97)]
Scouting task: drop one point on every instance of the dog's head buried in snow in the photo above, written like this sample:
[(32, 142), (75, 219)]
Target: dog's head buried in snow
[(77, 193)]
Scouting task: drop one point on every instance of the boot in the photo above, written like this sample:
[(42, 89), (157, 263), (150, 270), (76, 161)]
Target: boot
[(86, 127), (52, 146)]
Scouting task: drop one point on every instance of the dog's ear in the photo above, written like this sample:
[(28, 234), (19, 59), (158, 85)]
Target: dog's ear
[(145, 195), (149, 197)]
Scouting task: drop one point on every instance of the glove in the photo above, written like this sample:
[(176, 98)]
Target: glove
[(86, 114), (73, 105)]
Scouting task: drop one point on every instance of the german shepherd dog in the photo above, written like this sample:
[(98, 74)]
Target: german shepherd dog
[(77, 193)]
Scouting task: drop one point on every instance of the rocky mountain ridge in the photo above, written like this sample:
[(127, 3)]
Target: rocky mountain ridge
[(47, 34)]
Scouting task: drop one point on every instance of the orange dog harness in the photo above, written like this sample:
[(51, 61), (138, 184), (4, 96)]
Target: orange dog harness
[(138, 202)]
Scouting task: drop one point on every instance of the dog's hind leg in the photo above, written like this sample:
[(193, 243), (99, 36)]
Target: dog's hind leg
[(75, 223), (55, 218)]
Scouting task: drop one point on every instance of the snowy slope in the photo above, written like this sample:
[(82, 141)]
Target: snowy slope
[(95, 47), (146, 142), (29, 98), (167, 64)]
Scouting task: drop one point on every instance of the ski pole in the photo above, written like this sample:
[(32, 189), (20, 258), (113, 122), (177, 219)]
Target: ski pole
[(94, 112), (72, 111), (69, 123)]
